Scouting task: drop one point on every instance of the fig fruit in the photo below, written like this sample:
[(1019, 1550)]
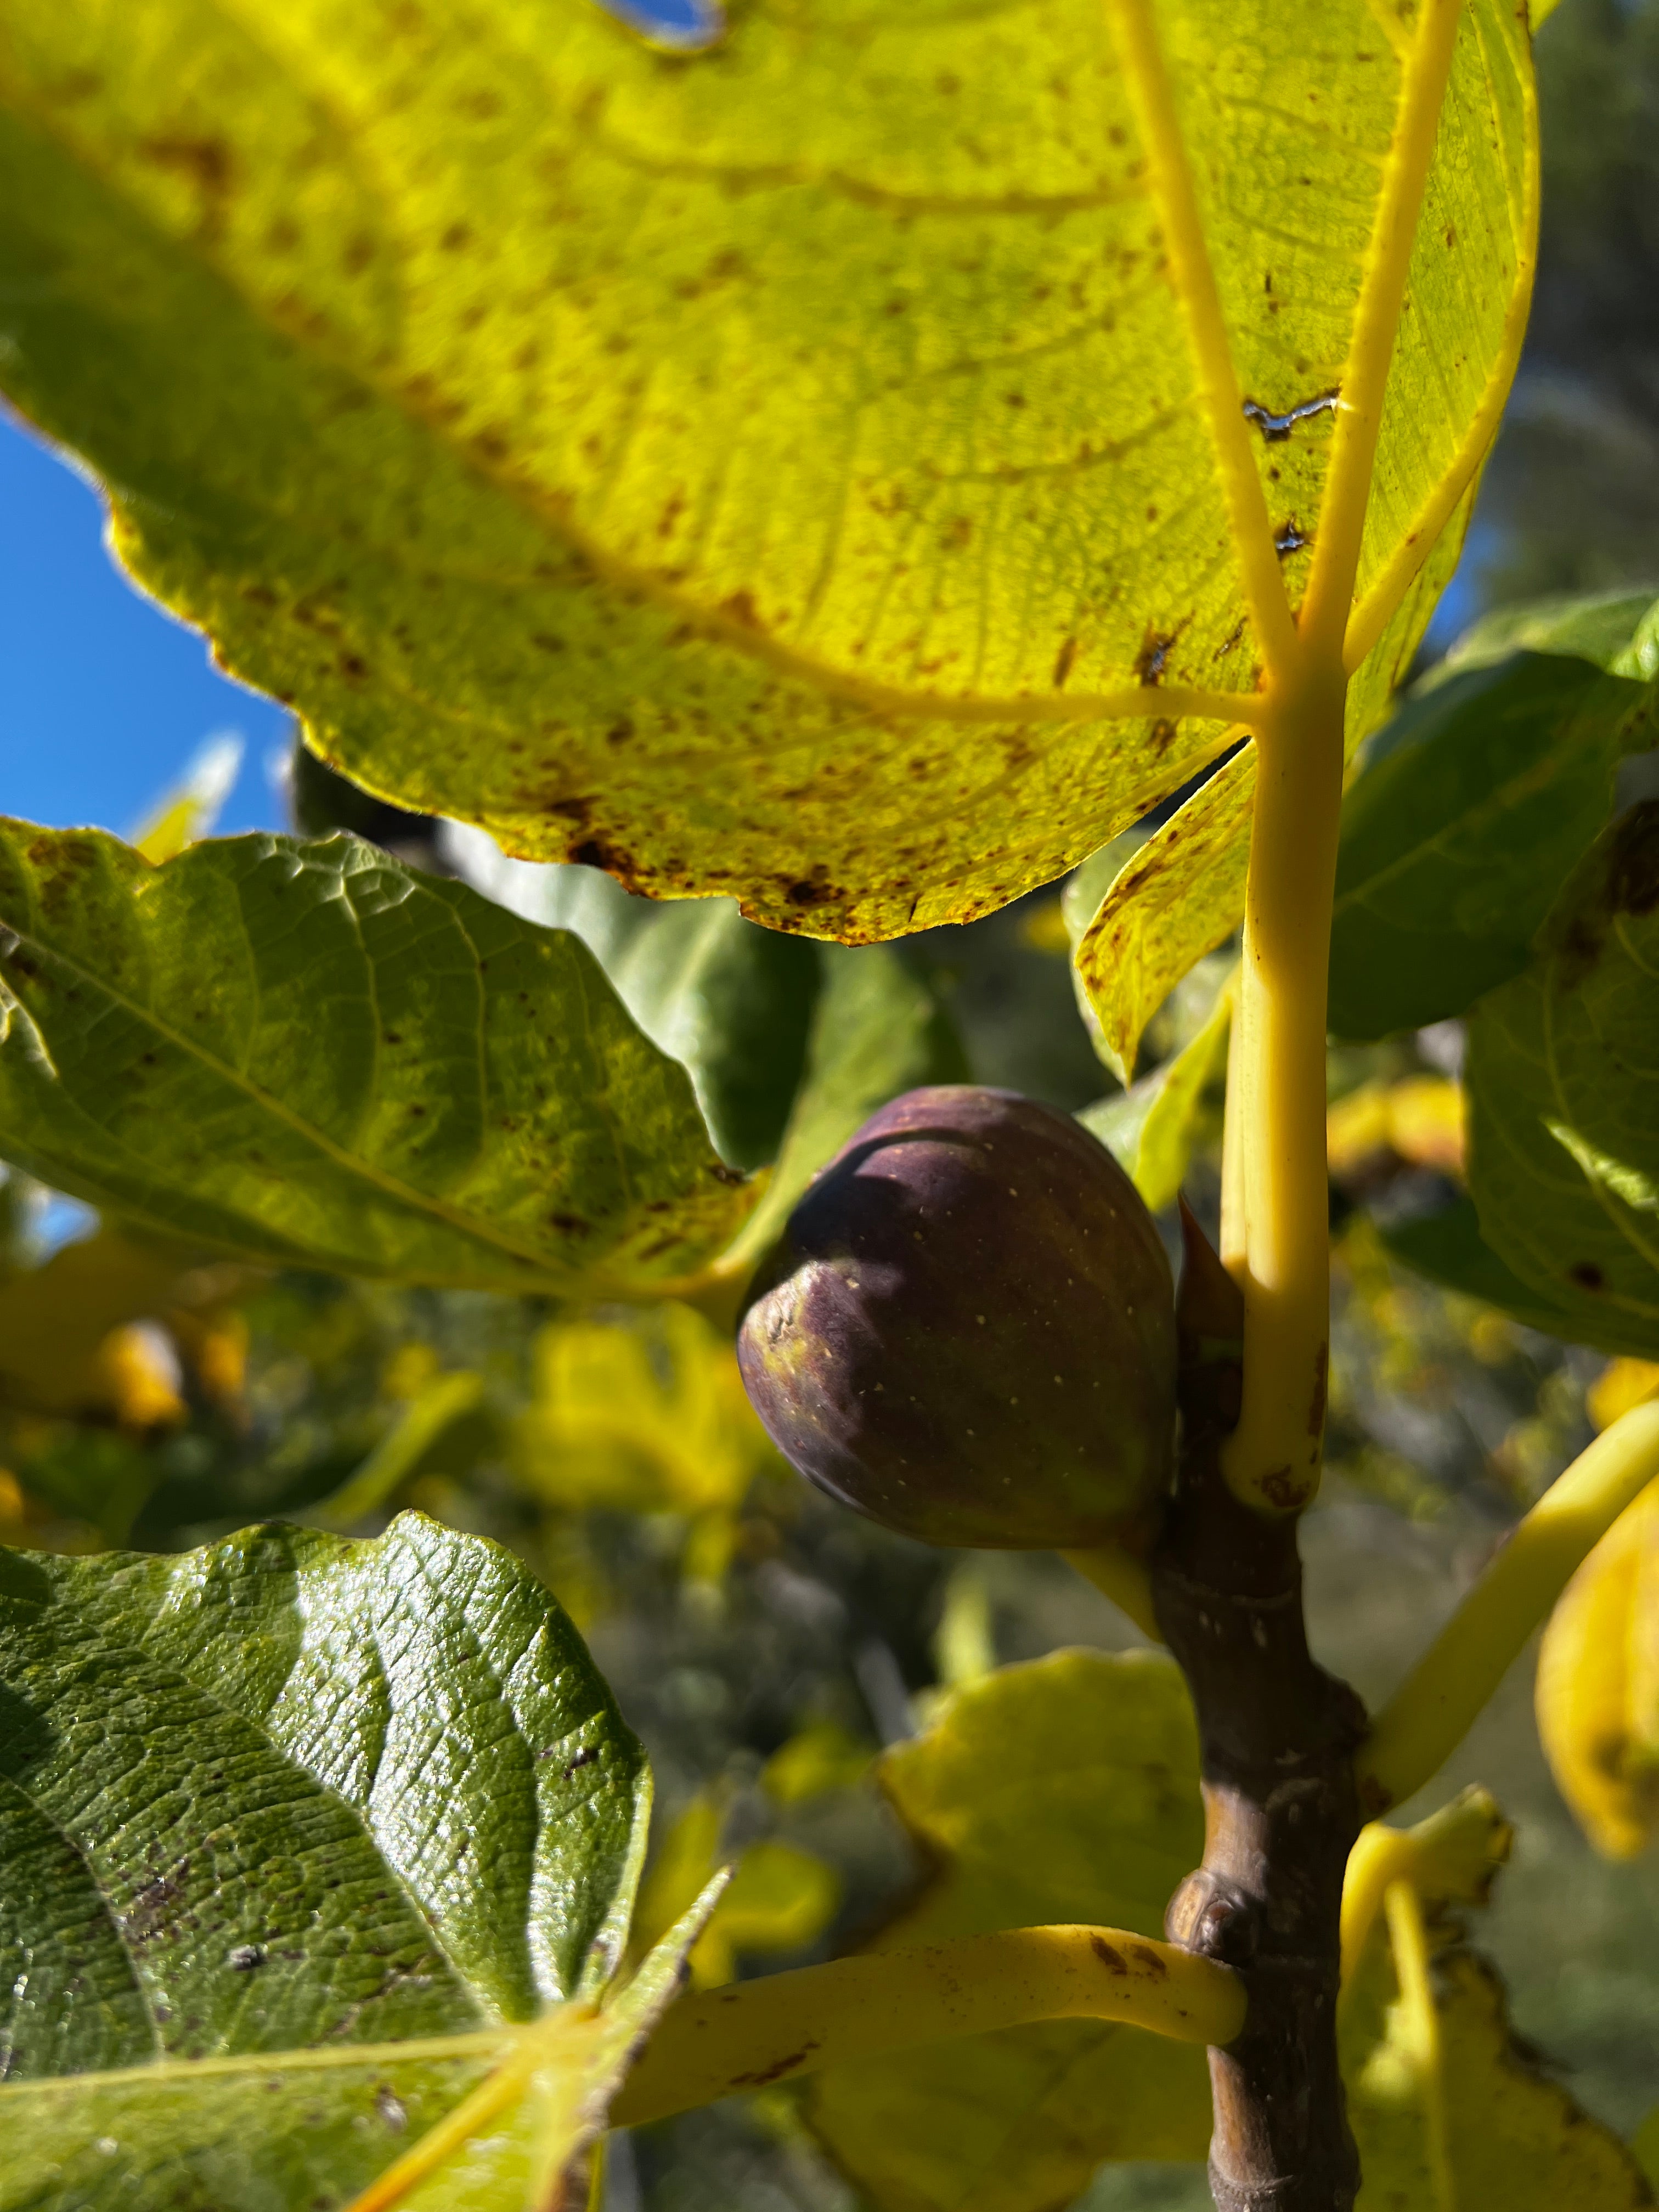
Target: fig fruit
[(967, 1328)]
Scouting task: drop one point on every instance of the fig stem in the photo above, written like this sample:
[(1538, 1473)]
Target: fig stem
[(1276, 1100), (1432, 1711), (1125, 1580), (1272, 1460), (748, 2035)]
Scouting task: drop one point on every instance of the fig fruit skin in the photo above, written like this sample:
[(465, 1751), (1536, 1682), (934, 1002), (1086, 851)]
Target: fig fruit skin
[(967, 1328)]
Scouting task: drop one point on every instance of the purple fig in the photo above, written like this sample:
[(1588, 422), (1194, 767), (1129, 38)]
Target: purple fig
[(967, 1329)]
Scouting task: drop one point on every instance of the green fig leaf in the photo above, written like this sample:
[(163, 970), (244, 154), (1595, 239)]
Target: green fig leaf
[(1155, 1128), (1613, 628), (1563, 1078), (1447, 1247), (1063, 1790), (307, 1054), (732, 1001), (878, 1030), (293, 1830), (778, 469), (1479, 800)]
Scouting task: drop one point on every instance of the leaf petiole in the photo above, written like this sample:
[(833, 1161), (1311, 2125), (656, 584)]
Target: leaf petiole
[(1428, 1713), (750, 2034)]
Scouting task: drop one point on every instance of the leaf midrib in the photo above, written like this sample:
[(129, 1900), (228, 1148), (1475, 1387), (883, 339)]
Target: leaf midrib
[(417, 1202)]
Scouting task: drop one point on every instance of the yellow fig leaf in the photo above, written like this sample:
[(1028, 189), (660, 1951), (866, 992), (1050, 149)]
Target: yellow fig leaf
[(1066, 1789), (820, 1760), (190, 812), (1449, 2111), (646, 1415), (782, 469), (1622, 1384), (1598, 1685), (779, 1897), (59, 1350), (1422, 1119)]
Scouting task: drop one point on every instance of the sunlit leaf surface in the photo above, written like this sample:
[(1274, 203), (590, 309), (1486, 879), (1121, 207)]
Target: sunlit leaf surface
[(1449, 2108), (778, 469), (306, 1053), (292, 1829)]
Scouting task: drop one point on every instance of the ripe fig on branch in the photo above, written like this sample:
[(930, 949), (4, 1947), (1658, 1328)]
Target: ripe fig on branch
[(967, 1328)]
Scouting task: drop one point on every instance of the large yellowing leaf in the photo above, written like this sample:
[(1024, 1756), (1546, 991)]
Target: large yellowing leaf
[(1063, 1790), (781, 470), (1451, 2111), (1455, 347), (308, 1054), (303, 1842)]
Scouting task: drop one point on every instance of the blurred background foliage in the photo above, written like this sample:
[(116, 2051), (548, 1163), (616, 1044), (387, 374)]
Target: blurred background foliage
[(765, 1643)]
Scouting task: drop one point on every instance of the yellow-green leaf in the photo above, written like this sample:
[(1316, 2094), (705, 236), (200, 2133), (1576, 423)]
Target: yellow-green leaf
[(779, 1897), (56, 1319), (1449, 2111), (646, 1415), (780, 470), (307, 1054), (1157, 1125), (1063, 1791), (1597, 1688)]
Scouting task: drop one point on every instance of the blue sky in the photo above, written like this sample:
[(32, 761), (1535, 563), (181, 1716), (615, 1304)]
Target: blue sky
[(104, 700)]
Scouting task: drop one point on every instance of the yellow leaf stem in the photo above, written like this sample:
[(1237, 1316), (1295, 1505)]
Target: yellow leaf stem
[(754, 2033), (1272, 1460), (1430, 1713), (1419, 2036), (1451, 1857)]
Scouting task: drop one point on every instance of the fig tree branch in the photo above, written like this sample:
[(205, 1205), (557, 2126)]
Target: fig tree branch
[(752, 2034)]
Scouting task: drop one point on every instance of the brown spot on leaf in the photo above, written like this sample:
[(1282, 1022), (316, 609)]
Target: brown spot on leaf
[(1152, 659), (1113, 1960), (1063, 661)]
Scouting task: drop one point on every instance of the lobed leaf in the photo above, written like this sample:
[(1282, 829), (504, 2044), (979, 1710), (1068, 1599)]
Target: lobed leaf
[(733, 1002), (292, 1829), (1477, 802), (1066, 1789), (1448, 2108), (1563, 1079), (307, 1055), (778, 469)]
